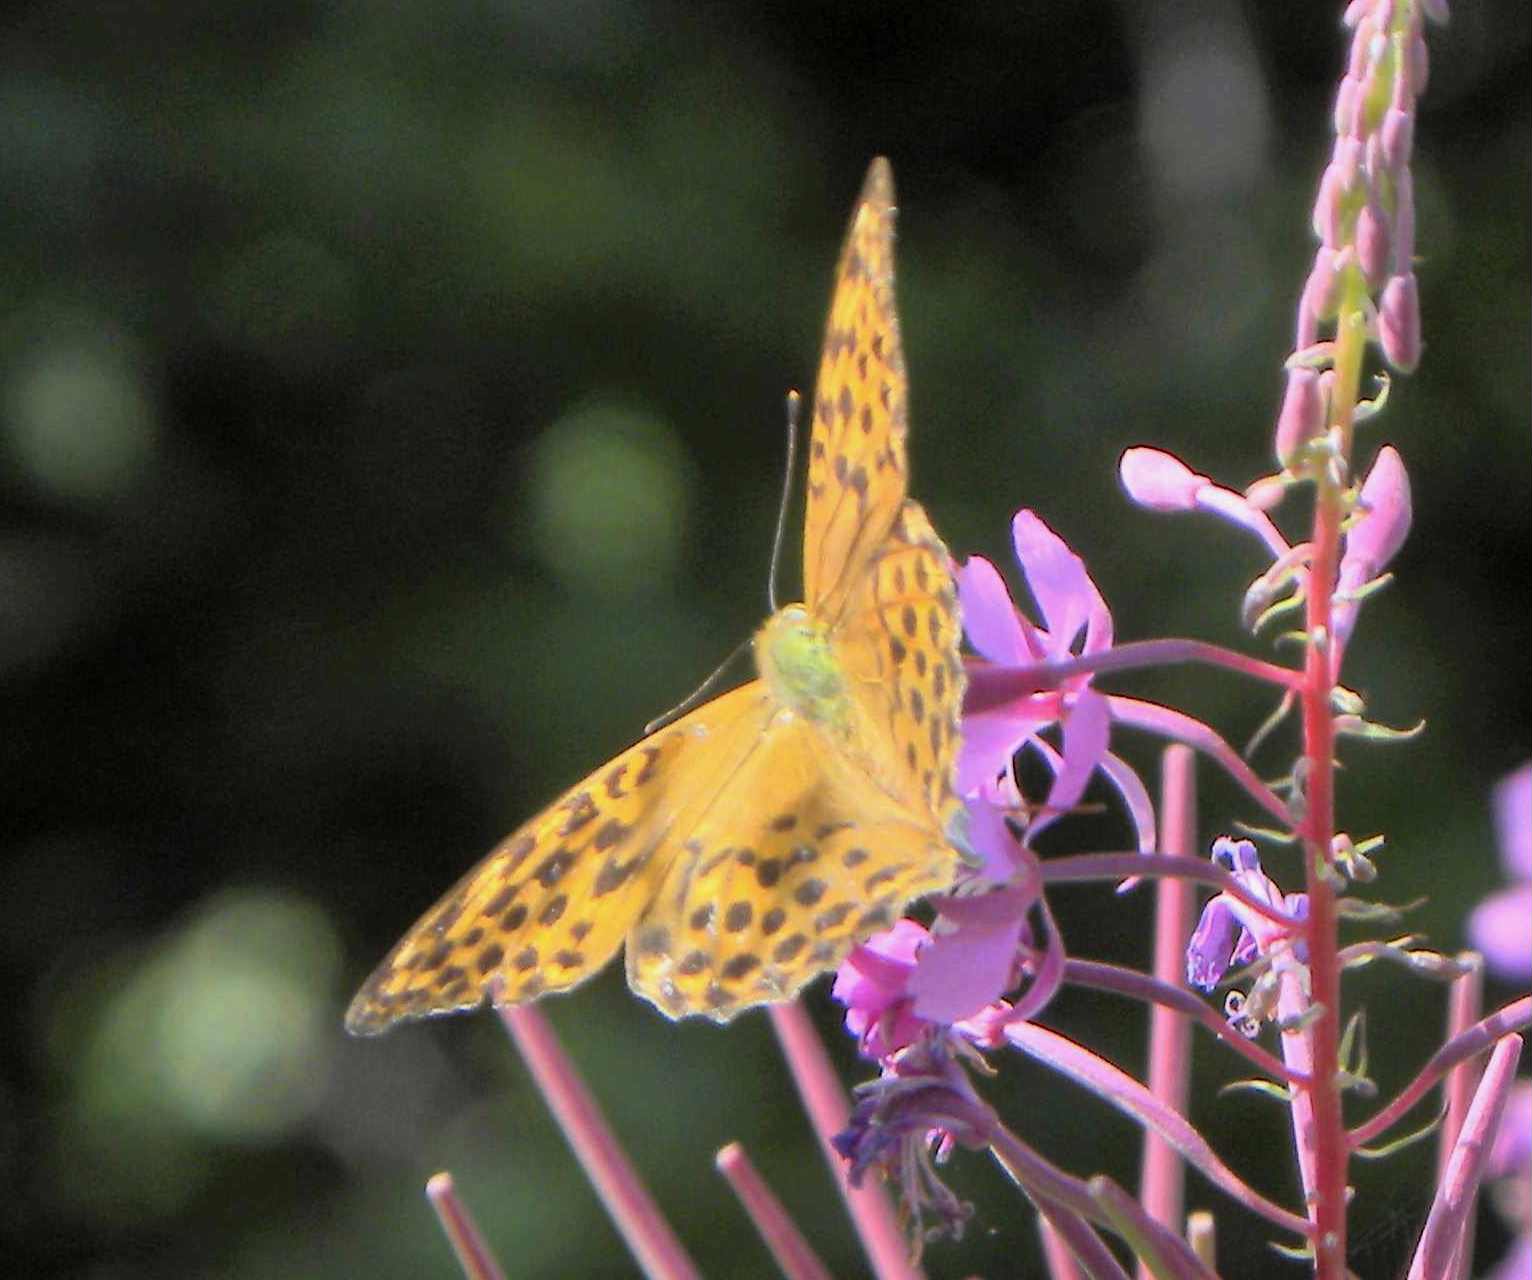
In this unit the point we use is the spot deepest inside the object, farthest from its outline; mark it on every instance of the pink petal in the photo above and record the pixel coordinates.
(990, 739)
(1056, 578)
(1136, 797)
(991, 839)
(989, 616)
(970, 967)
(1513, 823)
(1087, 730)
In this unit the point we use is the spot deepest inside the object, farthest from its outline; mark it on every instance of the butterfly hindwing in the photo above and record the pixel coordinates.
(898, 644)
(794, 863)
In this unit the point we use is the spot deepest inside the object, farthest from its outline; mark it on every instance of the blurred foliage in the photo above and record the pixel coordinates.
(390, 423)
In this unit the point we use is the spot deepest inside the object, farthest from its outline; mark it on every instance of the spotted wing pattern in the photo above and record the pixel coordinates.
(898, 645)
(857, 467)
(797, 860)
(550, 905)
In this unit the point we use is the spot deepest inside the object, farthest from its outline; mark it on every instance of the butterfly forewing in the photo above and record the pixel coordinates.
(857, 469)
(550, 905)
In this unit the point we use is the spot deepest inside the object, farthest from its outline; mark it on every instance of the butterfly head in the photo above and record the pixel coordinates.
(799, 666)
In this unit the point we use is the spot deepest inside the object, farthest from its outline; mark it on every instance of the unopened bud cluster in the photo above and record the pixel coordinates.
(1364, 214)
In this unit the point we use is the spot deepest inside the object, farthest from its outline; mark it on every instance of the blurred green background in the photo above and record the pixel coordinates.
(391, 423)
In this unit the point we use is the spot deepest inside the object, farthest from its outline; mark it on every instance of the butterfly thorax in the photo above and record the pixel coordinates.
(796, 661)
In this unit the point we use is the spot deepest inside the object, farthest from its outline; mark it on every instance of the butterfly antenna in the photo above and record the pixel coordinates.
(794, 406)
(697, 694)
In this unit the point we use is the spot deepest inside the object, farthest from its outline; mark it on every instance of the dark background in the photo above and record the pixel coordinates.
(390, 424)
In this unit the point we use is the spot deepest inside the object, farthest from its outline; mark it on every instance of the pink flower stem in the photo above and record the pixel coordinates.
(1140, 986)
(632, 1209)
(990, 687)
(1318, 1124)
(1162, 1181)
(1464, 1005)
(1514, 1017)
(825, 1102)
(1056, 1254)
(792, 1252)
(1073, 868)
(462, 1232)
(1443, 1237)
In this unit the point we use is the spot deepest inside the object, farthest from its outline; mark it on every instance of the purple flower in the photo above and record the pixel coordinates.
(1230, 933)
(1499, 925)
(906, 1123)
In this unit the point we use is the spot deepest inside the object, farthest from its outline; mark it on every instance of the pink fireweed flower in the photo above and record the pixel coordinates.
(909, 981)
(1499, 925)
(1073, 613)
(1231, 933)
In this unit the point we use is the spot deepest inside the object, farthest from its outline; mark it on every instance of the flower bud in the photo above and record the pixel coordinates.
(1327, 208)
(1321, 293)
(1346, 107)
(1349, 154)
(1397, 137)
(1380, 531)
(1303, 413)
(1159, 481)
(1372, 245)
(1399, 322)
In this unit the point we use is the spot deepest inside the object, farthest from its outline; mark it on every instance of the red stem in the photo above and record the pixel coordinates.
(1318, 1122)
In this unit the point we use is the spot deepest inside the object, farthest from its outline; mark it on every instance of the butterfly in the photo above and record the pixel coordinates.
(744, 848)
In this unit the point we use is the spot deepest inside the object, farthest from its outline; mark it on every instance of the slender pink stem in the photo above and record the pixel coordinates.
(1140, 986)
(1162, 1180)
(1464, 1005)
(632, 1209)
(1514, 1017)
(1056, 1254)
(780, 1233)
(1119, 1090)
(1121, 866)
(825, 1102)
(1450, 1212)
(461, 1230)
(993, 686)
